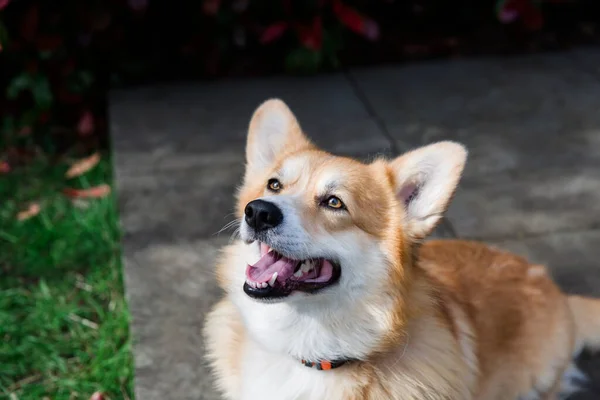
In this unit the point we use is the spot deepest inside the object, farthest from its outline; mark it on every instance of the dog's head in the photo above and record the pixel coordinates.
(319, 226)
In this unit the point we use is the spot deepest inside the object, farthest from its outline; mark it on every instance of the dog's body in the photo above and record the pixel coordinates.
(449, 320)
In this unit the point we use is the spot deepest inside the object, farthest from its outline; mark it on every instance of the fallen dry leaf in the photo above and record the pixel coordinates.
(82, 166)
(93, 192)
(97, 396)
(4, 167)
(31, 211)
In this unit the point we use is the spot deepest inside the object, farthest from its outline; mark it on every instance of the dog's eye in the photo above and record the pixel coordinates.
(274, 185)
(334, 202)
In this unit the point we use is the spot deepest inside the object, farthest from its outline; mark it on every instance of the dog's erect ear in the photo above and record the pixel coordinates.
(425, 180)
(273, 130)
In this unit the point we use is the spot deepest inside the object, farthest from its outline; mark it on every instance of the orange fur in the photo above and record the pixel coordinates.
(454, 319)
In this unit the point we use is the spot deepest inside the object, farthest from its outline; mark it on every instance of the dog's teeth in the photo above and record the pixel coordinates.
(298, 273)
(264, 285)
(273, 279)
(307, 266)
(270, 250)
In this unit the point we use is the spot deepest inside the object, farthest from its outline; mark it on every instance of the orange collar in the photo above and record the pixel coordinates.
(324, 365)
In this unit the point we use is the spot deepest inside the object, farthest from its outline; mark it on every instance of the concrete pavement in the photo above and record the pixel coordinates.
(532, 185)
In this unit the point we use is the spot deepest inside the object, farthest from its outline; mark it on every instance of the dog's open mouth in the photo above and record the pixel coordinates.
(274, 275)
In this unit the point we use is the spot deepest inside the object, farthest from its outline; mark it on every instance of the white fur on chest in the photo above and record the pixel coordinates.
(269, 376)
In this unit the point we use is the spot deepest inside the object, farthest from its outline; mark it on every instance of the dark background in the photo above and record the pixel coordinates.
(59, 58)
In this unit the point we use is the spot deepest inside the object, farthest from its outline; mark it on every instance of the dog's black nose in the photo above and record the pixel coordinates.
(262, 215)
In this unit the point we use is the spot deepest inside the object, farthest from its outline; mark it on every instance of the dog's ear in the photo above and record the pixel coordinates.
(425, 180)
(273, 131)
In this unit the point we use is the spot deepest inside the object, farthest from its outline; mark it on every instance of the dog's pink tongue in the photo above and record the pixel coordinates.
(268, 264)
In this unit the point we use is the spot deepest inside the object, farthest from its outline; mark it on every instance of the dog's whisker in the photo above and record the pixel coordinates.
(229, 225)
(234, 235)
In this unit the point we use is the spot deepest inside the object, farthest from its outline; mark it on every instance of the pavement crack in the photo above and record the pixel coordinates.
(362, 97)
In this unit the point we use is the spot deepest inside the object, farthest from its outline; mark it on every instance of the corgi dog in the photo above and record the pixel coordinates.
(332, 293)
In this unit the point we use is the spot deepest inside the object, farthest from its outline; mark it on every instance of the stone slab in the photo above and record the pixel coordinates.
(531, 126)
(514, 115)
(178, 204)
(170, 288)
(212, 118)
(541, 201)
(460, 92)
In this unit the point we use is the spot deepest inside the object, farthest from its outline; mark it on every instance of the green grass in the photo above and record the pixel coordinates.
(64, 323)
